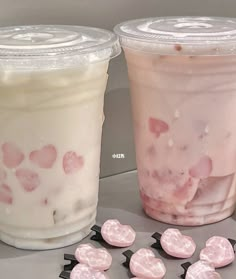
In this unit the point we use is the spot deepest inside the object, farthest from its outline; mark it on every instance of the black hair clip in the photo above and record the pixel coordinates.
(157, 244)
(185, 266)
(233, 243)
(128, 254)
(72, 264)
(65, 274)
(97, 236)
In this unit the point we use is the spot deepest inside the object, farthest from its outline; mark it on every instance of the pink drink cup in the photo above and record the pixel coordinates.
(185, 133)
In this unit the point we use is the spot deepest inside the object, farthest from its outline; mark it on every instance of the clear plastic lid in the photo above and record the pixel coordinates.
(55, 46)
(180, 35)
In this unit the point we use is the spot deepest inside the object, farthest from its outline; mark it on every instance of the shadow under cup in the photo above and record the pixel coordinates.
(51, 117)
(183, 104)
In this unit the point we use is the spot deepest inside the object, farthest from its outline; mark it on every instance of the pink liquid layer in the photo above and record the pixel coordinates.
(185, 135)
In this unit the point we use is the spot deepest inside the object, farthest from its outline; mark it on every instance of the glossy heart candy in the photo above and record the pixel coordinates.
(218, 251)
(28, 179)
(83, 271)
(45, 157)
(116, 234)
(5, 194)
(72, 162)
(176, 244)
(144, 264)
(202, 169)
(12, 155)
(157, 126)
(202, 270)
(97, 258)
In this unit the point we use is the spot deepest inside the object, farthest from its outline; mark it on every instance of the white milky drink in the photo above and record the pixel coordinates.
(183, 89)
(52, 84)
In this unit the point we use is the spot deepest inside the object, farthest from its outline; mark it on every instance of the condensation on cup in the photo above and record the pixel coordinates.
(183, 89)
(52, 84)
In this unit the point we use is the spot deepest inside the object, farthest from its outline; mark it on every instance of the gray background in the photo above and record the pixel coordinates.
(117, 135)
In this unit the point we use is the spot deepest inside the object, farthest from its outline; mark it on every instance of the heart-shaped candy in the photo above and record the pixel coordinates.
(12, 155)
(28, 179)
(5, 194)
(97, 258)
(116, 234)
(45, 157)
(202, 169)
(72, 163)
(144, 264)
(218, 251)
(175, 244)
(157, 126)
(202, 270)
(83, 271)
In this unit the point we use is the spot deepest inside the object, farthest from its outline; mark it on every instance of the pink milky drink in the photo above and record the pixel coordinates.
(52, 84)
(183, 89)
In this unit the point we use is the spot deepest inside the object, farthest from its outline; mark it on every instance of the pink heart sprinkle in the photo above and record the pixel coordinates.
(72, 163)
(116, 234)
(12, 155)
(175, 244)
(144, 264)
(45, 157)
(5, 194)
(28, 179)
(82, 271)
(157, 126)
(218, 251)
(97, 258)
(202, 169)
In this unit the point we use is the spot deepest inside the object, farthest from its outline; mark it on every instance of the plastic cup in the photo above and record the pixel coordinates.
(183, 89)
(52, 84)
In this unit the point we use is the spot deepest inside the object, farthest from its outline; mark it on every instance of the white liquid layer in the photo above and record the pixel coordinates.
(65, 109)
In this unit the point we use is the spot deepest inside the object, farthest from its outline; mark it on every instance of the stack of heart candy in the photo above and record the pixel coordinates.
(91, 262)
(218, 253)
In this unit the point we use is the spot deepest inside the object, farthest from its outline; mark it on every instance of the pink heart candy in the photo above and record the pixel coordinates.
(72, 163)
(97, 258)
(218, 251)
(176, 244)
(45, 157)
(12, 155)
(202, 270)
(82, 271)
(144, 264)
(116, 234)
(157, 126)
(28, 179)
(202, 169)
(5, 194)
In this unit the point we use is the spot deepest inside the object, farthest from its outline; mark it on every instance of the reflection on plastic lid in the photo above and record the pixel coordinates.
(196, 35)
(37, 44)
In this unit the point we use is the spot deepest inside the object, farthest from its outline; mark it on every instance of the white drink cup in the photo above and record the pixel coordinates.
(52, 85)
